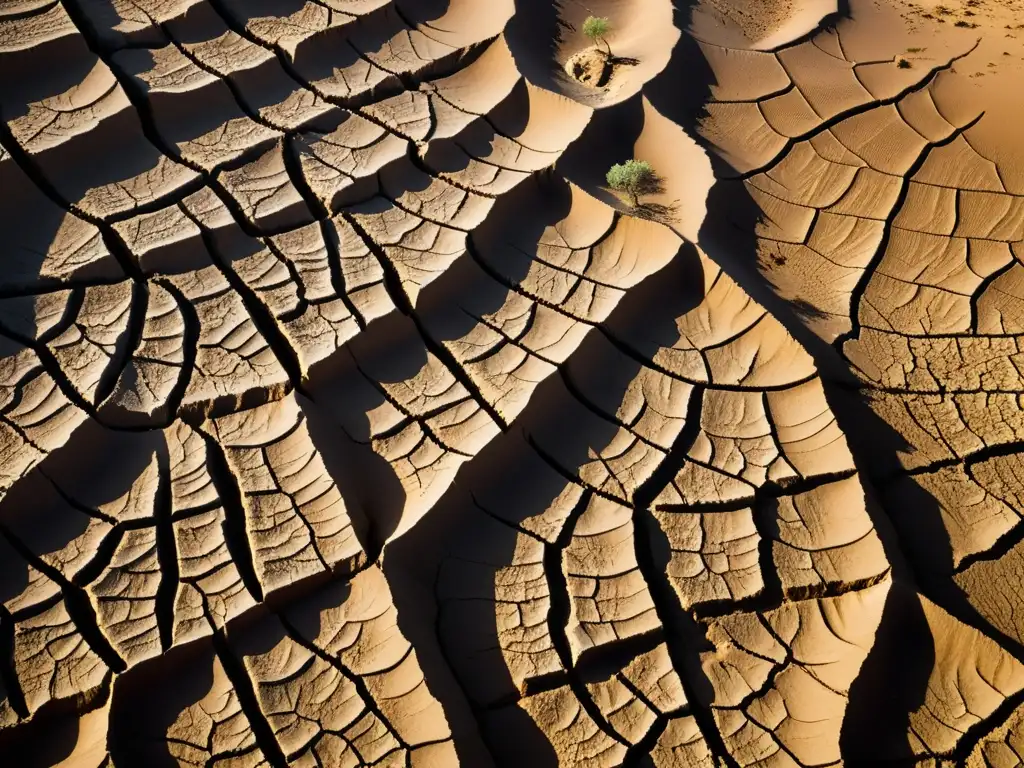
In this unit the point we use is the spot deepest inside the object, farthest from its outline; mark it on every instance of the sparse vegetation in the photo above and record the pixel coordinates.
(633, 177)
(903, 63)
(596, 28)
(915, 50)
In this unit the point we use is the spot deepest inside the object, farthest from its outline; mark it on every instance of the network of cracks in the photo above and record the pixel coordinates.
(346, 419)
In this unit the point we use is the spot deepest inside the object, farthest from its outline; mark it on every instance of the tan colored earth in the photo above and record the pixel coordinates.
(592, 67)
(347, 419)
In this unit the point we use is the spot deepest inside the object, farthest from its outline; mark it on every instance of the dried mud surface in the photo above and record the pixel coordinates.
(347, 420)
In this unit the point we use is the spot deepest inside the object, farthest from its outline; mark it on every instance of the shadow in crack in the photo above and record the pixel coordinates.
(140, 722)
(890, 685)
(207, 703)
(340, 398)
(53, 735)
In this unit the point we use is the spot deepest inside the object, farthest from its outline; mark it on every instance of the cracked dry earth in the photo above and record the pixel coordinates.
(346, 419)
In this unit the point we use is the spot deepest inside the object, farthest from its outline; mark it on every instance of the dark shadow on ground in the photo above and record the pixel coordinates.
(894, 678)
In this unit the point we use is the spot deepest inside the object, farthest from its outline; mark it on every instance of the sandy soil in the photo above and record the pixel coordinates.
(347, 418)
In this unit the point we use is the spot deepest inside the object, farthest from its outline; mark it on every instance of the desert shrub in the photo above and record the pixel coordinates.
(596, 27)
(634, 177)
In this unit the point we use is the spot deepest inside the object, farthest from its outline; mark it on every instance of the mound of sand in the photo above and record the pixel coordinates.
(347, 418)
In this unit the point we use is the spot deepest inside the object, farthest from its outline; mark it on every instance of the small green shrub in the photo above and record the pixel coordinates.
(596, 27)
(634, 177)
